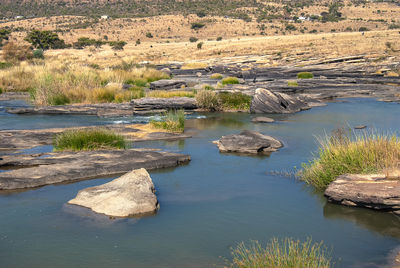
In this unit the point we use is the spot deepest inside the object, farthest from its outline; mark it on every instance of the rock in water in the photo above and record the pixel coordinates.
(370, 191)
(249, 142)
(265, 101)
(130, 194)
(262, 119)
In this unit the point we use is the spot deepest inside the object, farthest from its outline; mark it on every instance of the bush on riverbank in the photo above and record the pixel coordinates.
(207, 99)
(349, 153)
(305, 75)
(76, 83)
(287, 253)
(88, 140)
(234, 101)
(173, 121)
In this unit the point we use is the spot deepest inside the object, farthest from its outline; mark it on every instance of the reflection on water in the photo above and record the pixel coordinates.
(383, 223)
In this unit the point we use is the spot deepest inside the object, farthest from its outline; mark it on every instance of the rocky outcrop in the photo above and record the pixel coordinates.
(166, 84)
(369, 191)
(129, 195)
(265, 101)
(262, 119)
(28, 171)
(152, 104)
(248, 142)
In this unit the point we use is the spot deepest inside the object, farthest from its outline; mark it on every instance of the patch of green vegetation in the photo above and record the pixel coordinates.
(349, 153)
(193, 39)
(197, 25)
(287, 253)
(234, 101)
(5, 65)
(305, 75)
(45, 40)
(200, 45)
(59, 99)
(207, 99)
(208, 87)
(173, 121)
(140, 82)
(230, 80)
(216, 76)
(363, 29)
(88, 140)
(1, 90)
(293, 84)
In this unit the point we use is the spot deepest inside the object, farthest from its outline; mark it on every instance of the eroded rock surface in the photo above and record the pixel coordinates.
(36, 170)
(166, 84)
(266, 101)
(163, 104)
(248, 142)
(370, 191)
(128, 195)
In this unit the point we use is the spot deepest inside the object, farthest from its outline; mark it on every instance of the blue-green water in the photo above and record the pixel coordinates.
(207, 206)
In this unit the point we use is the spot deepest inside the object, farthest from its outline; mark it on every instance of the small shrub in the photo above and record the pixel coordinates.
(1, 90)
(287, 253)
(138, 42)
(117, 45)
(88, 139)
(58, 99)
(230, 80)
(363, 29)
(293, 84)
(193, 39)
(349, 153)
(208, 87)
(234, 101)
(208, 100)
(149, 35)
(14, 53)
(201, 14)
(104, 94)
(219, 38)
(197, 25)
(200, 45)
(173, 121)
(394, 26)
(305, 75)
(290, 27)
(216, 76)
(348, 29)
(38, 54)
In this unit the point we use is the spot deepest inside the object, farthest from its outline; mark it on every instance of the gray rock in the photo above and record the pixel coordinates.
(144, 104)
(374, 191)
(128, 195)
(166, 84)
(28, 171)
(248, 142)
(265, 101)
(262, 119)
(167, 71)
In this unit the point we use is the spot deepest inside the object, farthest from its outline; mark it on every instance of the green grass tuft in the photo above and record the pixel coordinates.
(216, 76)
(293, 84)
(230, 80)
(88, 139)
(234, 101)
(173, 121)
(305, 75)
(348, 153)
(287, 253)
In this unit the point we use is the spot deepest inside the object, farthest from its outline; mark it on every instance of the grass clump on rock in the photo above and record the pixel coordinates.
(216, 76)
(173, 121)
(170, 93)
(293, 84)
(88, 139)
(230, 80)
(305, 75)
(287, 253)
(234, 101)
(349, 153)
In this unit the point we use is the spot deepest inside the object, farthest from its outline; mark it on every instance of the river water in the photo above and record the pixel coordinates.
(206, 207)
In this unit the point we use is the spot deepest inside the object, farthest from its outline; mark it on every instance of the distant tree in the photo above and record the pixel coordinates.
(4, 35)
(197, 25)
(45, 40)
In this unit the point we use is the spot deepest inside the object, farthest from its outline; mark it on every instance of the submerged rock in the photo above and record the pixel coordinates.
(262, 119)
(266, 101)
(128, 195)
(249, 142)
(165, 84)
(374, 191)
(28, 171)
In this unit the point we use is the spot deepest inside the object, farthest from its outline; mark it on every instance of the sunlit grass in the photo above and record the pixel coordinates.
(348, 153)
(173, 121)
(170, 93)
(287, 253)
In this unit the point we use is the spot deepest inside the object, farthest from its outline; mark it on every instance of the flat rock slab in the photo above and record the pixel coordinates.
(51, 168)
(149, 104)
(166, 84)
(248, 142)
(13, 140)
(266, 101)
(129, 195)
(262, 119)
(369, 191)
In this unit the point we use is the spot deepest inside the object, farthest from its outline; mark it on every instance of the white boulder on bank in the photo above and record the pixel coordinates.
(128, 195)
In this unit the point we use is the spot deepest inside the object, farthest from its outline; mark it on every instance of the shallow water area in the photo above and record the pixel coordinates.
(207, 206)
